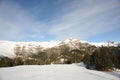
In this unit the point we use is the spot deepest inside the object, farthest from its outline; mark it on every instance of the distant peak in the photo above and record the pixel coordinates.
(71, 39)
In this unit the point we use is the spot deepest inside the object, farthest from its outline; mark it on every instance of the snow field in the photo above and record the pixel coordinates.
(55, 72)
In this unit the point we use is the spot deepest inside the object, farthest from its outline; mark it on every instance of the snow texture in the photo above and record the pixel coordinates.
(55, 72)
(7, 47)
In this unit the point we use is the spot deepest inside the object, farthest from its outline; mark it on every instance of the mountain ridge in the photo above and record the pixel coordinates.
(7, 47)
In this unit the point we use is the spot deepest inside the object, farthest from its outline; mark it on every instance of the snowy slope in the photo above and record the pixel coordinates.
(42, 44)
(7, 47)
(55, 72)
(98, 44)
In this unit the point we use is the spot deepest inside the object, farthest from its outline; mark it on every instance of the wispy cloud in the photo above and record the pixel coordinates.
(59, 20)
(17, 23)
(86, 18)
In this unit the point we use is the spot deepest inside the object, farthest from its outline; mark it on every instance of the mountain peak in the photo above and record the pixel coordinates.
(71, 39)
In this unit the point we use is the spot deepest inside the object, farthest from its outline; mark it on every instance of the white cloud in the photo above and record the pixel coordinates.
(17, 23)
(86, 20)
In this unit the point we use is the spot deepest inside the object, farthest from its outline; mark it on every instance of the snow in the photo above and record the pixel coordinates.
(99, 44)
(55, 72)
(74, 40)
(7, 47)
(42, 44)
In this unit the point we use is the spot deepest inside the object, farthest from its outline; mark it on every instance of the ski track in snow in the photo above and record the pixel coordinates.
(55, 72)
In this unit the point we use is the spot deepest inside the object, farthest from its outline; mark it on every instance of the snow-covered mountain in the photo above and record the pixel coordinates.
(98, 44)
(7, 47)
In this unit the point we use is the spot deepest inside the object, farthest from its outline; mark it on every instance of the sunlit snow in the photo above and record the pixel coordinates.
(55, 72)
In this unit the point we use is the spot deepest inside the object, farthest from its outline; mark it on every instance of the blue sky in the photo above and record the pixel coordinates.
(46, 20)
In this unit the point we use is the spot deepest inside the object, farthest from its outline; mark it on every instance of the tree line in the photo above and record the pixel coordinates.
(103, 58)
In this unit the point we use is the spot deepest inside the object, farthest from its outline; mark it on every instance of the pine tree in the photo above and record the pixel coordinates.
(102, 59)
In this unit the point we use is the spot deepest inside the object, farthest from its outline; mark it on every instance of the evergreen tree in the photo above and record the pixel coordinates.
(102, 59)
(6, 62)
(87, 60)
